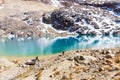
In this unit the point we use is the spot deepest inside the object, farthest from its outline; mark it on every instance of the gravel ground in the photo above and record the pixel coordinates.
(102, 64)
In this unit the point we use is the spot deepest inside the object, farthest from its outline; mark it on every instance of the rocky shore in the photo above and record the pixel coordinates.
(102, 64)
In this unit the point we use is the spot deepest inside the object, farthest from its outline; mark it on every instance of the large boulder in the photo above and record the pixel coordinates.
(59, 20)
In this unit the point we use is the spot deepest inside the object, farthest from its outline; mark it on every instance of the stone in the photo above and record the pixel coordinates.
(92, 32)
(46, 1)
(46, 18)
(69, 59)
(117, 10)
(116, 32)
(25, 17)
(66, 3)
(101, 69)
(32, 61)
(113, 69)
(117, 59)
(30, 21)
(79, 58)
(108, 61)
(109, 56)
(64, 78)
(96, 26)
(77, 51)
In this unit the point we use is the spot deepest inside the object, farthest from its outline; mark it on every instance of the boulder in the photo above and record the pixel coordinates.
(96, 26)
(116, 32)
(79, 58)
(46, 18)
(92, 32)
(46, 1)
(60, 21)
(32, 61)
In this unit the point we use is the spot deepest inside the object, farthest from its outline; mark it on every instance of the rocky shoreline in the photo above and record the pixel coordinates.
(77, 65)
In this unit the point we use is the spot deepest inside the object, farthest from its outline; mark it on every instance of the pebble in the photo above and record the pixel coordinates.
(78, 58)
(64, 78)
(30, 21)
(101, 69)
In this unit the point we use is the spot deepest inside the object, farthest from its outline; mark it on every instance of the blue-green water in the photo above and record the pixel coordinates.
(44, 46)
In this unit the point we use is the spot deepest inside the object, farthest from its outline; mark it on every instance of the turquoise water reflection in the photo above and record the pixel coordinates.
(44, 46)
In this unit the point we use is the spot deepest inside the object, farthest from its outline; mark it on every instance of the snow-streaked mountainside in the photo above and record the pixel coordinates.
(85, 17)
(73, 2)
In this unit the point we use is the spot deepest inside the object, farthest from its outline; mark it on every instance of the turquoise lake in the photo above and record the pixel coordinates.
(47, 45)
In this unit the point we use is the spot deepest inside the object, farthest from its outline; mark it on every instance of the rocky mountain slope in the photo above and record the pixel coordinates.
(18, 20)
(86, 18)
(74, 2)
(69, 17)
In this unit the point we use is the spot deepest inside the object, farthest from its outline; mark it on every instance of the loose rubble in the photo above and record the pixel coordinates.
(77, 65)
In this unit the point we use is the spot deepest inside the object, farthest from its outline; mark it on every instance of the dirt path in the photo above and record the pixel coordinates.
(11, 7)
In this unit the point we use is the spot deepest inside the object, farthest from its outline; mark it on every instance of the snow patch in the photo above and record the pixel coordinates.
(55, 3)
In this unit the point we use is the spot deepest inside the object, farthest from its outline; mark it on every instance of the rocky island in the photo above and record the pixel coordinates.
(34, 19)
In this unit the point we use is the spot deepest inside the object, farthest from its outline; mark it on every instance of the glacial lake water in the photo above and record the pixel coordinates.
(47, 45)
